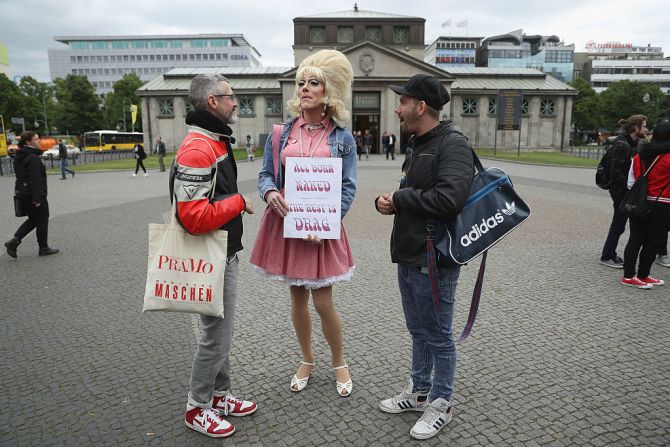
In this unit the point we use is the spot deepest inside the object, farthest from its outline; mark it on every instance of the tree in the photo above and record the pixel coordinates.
(625, 98)
(38, 102)
(586, 113)
(78, 107)
(12, 104)
(117, 103)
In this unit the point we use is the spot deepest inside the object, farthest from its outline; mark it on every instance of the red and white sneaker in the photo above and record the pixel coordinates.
(652, 281)
(230, 405)
(207, 421)
(635, 282)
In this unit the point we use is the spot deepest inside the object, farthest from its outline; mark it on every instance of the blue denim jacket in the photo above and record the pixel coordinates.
(342, 145)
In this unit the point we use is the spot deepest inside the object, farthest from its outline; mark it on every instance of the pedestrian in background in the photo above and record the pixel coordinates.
(62, 157)
(31, 189)
(622, 151)
(160, 150)
(250, 148)
(392, 145)
(140, 155)
(311, 265)
(428, 303)
(367, 143)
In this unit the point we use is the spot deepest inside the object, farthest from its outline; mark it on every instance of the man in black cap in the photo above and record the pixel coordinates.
(430, 189)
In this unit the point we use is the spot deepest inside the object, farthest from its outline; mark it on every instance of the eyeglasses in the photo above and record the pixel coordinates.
(232, 97)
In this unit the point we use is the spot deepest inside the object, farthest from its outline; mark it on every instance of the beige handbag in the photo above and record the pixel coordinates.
(185, 272)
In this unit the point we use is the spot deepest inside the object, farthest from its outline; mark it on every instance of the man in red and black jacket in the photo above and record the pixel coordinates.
(203, 181)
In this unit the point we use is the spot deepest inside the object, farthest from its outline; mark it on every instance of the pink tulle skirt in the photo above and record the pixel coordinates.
(296, 262)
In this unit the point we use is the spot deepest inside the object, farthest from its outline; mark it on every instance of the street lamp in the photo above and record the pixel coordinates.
(123, 109)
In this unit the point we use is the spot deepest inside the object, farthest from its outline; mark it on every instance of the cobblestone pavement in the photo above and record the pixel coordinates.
(561, 354)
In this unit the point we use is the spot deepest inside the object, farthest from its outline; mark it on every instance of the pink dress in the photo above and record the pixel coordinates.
(294, 261)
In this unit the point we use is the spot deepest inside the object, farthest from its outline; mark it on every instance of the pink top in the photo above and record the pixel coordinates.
(314, 142)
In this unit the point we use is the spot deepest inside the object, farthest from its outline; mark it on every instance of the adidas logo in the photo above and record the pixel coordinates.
(511, 209)
(478, 230)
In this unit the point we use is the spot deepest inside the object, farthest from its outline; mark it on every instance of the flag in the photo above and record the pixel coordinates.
(447, 23)
(462, 24)
(133, 113)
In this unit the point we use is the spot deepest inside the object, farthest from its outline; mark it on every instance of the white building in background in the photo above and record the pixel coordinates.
(105, 59)
(605, 72)
(615, 61)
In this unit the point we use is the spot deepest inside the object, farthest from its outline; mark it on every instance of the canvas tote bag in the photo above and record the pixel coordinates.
(185, 272)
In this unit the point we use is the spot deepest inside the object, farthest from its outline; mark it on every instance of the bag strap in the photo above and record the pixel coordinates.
(430, 252)
(277, 130)
(476, 292)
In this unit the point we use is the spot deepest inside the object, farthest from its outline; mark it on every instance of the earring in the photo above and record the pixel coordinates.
(325, 109)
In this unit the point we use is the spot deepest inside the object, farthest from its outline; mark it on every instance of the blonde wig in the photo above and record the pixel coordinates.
(332, 69)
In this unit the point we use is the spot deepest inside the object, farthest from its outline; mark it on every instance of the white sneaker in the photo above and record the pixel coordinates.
(229, 405)
(435, 417)
(405, 401)
(208, 422)
(134, 175)
(146, 174)
(663, 260)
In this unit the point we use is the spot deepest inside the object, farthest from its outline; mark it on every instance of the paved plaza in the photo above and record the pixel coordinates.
(561, 354)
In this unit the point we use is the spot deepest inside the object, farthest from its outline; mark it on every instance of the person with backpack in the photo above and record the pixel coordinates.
(648, 233)
(616, 163)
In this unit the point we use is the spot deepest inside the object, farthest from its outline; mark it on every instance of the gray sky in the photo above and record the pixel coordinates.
(28, 26)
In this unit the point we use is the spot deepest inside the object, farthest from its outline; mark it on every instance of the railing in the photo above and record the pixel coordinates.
(7, 165)
(585, 151)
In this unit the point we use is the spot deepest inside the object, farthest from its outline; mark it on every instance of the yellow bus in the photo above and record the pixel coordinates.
(111, 140)
(3, 139)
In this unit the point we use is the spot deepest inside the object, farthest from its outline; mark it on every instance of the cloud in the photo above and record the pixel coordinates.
(268, 24)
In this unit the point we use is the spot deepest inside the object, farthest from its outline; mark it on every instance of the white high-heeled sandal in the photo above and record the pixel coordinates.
(343, 387)
(299, 383)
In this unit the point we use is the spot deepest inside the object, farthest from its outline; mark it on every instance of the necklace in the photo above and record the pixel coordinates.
(310, 150)
(313, 127)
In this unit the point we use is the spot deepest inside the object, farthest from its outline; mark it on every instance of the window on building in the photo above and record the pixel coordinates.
(400, 34)
(106, 58)
(273, 105)
(547, 106)
(132, 58)
(73, 59)
(345, 34)
(373, 33)
(247, 106)
(317, 34)
(125, 58)
(469, 105)
(166, 107)
(492, 106)
(524, 106)
(188, 106)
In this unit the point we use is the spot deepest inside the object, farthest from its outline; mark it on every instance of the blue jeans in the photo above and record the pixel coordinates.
(63, 167)
(433, 348)
(617, 227)
(210, 374)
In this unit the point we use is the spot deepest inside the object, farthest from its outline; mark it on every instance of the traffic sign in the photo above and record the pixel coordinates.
(17, 120)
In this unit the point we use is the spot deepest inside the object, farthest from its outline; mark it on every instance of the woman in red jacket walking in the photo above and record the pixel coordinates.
(647, 234)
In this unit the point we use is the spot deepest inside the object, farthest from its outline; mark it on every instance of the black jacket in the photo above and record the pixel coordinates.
(31, 174)
(622, 152)
(423, 197)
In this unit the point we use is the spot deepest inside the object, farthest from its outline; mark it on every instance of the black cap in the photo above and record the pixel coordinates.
(424, 88)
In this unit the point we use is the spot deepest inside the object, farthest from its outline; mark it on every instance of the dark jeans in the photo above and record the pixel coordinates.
(138, 165)
(646, 235)
(38, 217)
(617, 227)
(63, 167)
